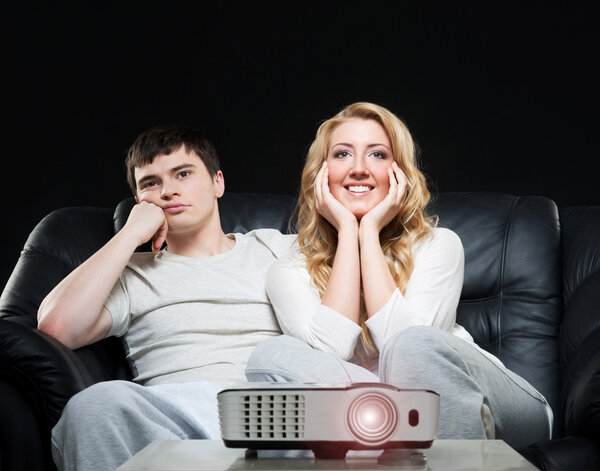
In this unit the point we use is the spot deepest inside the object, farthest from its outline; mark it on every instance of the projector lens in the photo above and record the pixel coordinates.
(372, 418)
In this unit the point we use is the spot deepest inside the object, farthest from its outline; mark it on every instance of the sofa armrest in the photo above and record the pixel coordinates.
(24, 436)
(41, 368)
(563, 454)
(582, 406)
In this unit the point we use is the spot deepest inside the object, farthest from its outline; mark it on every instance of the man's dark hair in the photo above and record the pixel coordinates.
(164, 140)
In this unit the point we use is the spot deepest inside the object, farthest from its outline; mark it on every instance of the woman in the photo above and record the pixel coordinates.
(371, 292)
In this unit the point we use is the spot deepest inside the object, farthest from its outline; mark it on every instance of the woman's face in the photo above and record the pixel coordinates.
(358, 157)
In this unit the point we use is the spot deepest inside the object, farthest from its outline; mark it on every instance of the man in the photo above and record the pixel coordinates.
(189, 314)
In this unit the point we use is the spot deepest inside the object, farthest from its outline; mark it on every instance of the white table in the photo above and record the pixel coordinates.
(444, 455)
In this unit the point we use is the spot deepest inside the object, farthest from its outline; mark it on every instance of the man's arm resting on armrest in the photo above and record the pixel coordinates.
(74, 311)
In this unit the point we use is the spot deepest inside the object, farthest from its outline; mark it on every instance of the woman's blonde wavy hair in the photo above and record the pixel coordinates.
(318, 238)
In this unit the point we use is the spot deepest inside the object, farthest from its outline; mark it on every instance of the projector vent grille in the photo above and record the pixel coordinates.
(276, 416)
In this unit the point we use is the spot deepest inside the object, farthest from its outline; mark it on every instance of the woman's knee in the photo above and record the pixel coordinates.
(287, 359)
(416, 341)
(417, 352)
(275, 351)
(271, 360)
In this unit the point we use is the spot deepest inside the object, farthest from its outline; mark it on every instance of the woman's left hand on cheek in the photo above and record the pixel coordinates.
(390, 206)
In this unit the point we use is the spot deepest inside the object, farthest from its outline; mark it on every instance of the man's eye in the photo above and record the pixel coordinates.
(149, 185)
(184, 173)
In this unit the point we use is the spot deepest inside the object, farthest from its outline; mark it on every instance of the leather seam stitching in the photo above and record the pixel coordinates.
(502, 269)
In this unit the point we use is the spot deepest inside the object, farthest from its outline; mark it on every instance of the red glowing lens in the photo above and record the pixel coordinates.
(372, 418)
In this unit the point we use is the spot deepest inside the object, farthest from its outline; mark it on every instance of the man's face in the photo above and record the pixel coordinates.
(180, 184)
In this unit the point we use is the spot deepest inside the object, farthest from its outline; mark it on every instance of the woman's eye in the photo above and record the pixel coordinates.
(342, 154)
(379, 155)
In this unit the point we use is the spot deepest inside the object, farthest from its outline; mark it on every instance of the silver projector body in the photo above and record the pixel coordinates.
(329, 419)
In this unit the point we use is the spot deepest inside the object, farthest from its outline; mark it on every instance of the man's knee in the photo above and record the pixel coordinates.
(95, 404)
(89, 424)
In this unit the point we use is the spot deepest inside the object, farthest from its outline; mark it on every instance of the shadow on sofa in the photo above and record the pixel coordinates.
(531, 296)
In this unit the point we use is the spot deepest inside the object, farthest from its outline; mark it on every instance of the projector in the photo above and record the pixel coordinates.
(327, 419)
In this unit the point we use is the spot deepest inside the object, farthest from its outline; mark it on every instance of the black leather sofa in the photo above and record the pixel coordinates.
(531, 296)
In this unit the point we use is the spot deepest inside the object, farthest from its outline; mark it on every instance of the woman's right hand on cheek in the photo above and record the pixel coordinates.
(148, 221)
(326, 204)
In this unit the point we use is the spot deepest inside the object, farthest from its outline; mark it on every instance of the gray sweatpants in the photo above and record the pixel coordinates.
(104, 425)
(478, 398)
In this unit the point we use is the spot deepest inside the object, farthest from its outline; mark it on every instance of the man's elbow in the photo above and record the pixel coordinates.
(55, 327)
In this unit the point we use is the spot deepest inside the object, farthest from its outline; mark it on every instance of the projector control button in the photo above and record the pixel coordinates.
(413, 417)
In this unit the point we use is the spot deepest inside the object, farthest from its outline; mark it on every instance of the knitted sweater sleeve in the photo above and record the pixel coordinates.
(431, 298)
(298, 308)
(432, 292)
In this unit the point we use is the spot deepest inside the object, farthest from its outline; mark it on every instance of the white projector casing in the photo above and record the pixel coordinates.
(329, 419)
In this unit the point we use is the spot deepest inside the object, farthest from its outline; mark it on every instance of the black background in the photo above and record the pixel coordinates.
(499, 96)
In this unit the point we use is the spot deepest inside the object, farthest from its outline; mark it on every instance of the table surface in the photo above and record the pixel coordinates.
(444, 455)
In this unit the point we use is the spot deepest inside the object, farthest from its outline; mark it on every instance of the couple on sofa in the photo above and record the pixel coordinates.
(366, 291)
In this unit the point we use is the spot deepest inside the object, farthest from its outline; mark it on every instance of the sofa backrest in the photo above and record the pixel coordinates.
(66, 237)
(581, 279)
(580, 329)
(511, 301)
(59, 243)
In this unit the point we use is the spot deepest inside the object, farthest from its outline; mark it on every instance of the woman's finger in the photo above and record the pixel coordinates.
(318, 184)
(393, 191)
(402, 182)
(325, 182)
(393, 177)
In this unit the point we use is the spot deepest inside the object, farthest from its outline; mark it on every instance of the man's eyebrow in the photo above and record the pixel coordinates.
(145, 179)
(176, 169)
(181, 167)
